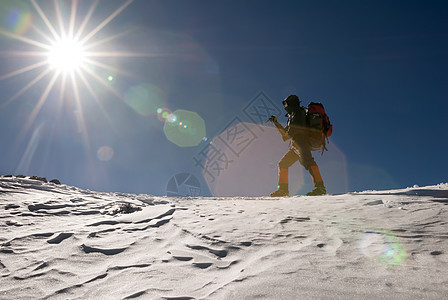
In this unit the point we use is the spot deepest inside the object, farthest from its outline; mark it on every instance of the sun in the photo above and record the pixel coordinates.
(66, 55)
(66, 52)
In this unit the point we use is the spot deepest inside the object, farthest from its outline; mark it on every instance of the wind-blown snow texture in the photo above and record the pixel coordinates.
(61, 242)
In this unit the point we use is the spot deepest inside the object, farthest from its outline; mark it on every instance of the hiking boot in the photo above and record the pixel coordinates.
(318, 190)
(281, 192)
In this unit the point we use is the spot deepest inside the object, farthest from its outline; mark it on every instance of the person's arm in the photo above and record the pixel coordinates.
(280, 128)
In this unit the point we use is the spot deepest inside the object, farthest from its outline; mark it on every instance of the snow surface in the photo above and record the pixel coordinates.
(61, 242)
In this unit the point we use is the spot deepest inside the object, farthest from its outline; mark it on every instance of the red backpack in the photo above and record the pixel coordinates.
(317, 118)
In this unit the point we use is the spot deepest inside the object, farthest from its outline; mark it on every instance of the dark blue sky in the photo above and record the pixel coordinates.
(379, 67)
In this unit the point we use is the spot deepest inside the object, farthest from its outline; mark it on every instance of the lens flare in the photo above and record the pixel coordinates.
(245, 151)
(144, 99)
(184, 128)
(105, 153)
(18, 20)
(171, 118)
(383, 247)
(163, 114)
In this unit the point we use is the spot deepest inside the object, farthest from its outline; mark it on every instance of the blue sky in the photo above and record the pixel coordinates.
(379, 67)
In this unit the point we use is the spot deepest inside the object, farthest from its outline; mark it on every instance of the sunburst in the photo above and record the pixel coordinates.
(66, 55)
(63, 54)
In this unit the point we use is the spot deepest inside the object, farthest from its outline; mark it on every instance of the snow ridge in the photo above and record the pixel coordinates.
(62, 242)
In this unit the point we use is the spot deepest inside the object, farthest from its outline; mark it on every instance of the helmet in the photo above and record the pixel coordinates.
(291, 102)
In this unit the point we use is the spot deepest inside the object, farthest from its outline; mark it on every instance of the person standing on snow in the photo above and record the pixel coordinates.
(300, 147)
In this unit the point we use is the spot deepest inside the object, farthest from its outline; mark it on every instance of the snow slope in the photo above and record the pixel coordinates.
(61, 242)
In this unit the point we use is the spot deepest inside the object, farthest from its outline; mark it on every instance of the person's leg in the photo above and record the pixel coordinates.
(315, 173)
(287, 161)
(307, 161)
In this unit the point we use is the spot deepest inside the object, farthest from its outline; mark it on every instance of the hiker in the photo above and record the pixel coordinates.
(301, 145)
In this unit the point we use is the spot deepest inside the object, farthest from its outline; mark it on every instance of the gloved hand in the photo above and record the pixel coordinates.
(273, 119)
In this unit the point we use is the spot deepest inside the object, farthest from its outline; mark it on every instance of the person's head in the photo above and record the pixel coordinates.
(291, 103)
